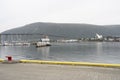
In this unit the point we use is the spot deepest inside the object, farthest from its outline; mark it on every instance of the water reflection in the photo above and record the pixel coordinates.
(44, 51)
(99, 48)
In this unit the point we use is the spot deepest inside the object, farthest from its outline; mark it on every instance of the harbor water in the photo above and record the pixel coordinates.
(100, 52)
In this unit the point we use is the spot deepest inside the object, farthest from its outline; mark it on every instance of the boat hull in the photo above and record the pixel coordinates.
(42, 44)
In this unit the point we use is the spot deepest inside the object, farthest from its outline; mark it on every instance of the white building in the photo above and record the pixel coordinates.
(98, 36)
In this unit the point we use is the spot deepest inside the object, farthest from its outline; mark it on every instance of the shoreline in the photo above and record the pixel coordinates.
(63, 63)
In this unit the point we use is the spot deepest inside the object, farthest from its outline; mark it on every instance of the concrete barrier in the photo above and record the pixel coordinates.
(71, 63)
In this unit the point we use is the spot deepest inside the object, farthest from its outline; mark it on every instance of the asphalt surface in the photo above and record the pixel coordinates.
(25, 71)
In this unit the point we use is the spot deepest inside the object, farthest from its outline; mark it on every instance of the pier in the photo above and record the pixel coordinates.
(21, 71)
(52, 70)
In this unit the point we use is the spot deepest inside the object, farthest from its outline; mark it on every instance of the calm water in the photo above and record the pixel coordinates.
(102, 52)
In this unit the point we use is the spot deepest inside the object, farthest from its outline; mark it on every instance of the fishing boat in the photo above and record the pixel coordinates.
(43, 42)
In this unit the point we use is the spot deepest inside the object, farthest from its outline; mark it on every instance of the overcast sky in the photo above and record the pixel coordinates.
(16, 13)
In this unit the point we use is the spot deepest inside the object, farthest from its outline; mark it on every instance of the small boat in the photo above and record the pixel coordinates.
(7, 44)
(43, 42)
(22, 44)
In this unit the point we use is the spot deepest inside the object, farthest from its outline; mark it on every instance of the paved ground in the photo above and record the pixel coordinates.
(20, 71)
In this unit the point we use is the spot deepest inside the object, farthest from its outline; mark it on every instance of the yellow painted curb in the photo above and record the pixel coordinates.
(71, 63)
(1, 60)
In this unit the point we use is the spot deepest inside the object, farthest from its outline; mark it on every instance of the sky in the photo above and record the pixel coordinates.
(16, 13)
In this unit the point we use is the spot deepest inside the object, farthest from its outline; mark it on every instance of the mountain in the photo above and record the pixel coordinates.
(69, 30)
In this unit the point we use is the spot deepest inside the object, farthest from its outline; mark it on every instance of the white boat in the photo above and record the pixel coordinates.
(7, 44)
(15, 43)
(43, 42)
(22, 44)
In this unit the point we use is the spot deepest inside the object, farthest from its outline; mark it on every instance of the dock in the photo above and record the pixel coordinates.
(32, 71)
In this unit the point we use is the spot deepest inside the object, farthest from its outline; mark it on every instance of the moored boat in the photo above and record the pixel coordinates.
(43, 42)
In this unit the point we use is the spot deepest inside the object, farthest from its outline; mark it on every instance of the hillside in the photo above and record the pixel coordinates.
(66, 29)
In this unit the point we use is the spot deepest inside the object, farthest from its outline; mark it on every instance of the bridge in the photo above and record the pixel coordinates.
(27, 37)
